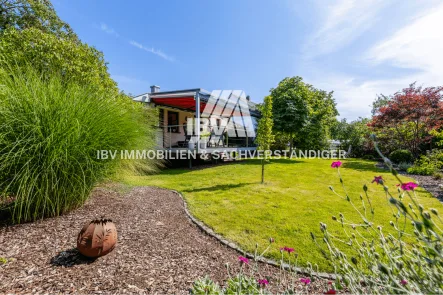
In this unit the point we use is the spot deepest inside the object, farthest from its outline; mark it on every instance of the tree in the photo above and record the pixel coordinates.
(409, 116)
(48, 53)
(303, 113)
(264, 132)
(39, 14)
(322, 114)
(290, 110)
(354, 136)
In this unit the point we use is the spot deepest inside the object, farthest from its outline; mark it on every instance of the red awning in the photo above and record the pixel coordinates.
(185, 103)
(188, 103)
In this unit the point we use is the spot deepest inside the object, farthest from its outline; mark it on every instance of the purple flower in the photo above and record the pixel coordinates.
(263, 282)
(243, 260)
(287, 249)
(305, 281)
(336, 164)
(403, 282)
(409, 186)
(378, 180)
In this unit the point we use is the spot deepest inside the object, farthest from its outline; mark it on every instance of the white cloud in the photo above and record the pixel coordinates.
(412, 53)
(152, 50)
(418, 46)
(354, 98)
(344, 20)
(105, 28)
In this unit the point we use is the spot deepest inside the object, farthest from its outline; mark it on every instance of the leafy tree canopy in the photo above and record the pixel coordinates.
(409, 116)
(31, 33)
(48, 53)
(39, 14)
(303, 112)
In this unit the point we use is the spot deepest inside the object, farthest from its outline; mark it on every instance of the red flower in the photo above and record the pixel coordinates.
(332, 291)
(336, 164)
(287, 249)
(378, 180)
(305, 281)
(243, 260)
(403, 282)
(409, 186)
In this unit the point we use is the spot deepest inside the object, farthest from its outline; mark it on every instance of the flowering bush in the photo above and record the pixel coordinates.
(386, 263)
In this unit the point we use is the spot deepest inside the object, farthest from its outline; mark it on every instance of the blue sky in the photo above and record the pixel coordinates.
(357, 48)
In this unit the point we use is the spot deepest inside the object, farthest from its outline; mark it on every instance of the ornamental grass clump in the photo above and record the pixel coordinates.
(408, 260)
(50, 132)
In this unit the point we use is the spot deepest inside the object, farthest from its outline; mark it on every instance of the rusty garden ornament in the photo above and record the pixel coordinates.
(97, 238)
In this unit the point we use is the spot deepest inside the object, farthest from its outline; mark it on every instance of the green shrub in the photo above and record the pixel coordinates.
(368, 157)
(426, 165)
(404, 166)
(438, 175)
(50, 132)
(421, 170)
(399, 156)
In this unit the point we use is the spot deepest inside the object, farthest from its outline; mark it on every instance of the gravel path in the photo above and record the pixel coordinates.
(159, 250)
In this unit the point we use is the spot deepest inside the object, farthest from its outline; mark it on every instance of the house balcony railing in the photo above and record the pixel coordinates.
(174, 136)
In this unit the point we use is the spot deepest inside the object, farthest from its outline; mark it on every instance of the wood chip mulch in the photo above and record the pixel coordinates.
(159, 250)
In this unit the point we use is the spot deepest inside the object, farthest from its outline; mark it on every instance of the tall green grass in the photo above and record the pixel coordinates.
(50, 131)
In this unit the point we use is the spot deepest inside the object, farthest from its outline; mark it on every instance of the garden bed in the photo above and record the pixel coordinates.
(159, 249)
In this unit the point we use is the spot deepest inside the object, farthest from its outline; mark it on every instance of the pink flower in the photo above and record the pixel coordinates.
(403, 282)
(378, 180)
(305, 281)
(243, 259)
(336, 164)
(263, 282)
(409, 186)
(287, 249)
(332, 291)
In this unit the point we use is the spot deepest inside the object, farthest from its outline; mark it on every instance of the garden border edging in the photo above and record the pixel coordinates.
(235, 247)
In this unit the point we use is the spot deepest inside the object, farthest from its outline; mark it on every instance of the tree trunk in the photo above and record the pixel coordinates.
(291, 144)
(262, 170)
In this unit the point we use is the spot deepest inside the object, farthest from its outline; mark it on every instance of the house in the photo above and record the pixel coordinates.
(202, 121)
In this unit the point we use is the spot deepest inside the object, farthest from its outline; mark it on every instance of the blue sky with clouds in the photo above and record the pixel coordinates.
(357, 48)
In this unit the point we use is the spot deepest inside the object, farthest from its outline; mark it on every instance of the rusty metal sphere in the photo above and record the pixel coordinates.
(97, 238)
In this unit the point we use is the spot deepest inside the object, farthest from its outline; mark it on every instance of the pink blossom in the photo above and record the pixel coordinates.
(243, 259)
(263, 282)
(336, 164)
(305, 281)
(378, 180)
(287, 249)
(403, 282)
(409, 186)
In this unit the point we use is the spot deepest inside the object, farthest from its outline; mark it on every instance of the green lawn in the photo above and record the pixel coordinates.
(290, 205)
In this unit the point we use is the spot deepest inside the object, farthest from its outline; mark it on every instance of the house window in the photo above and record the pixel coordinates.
(173, 122)
(161, 117)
